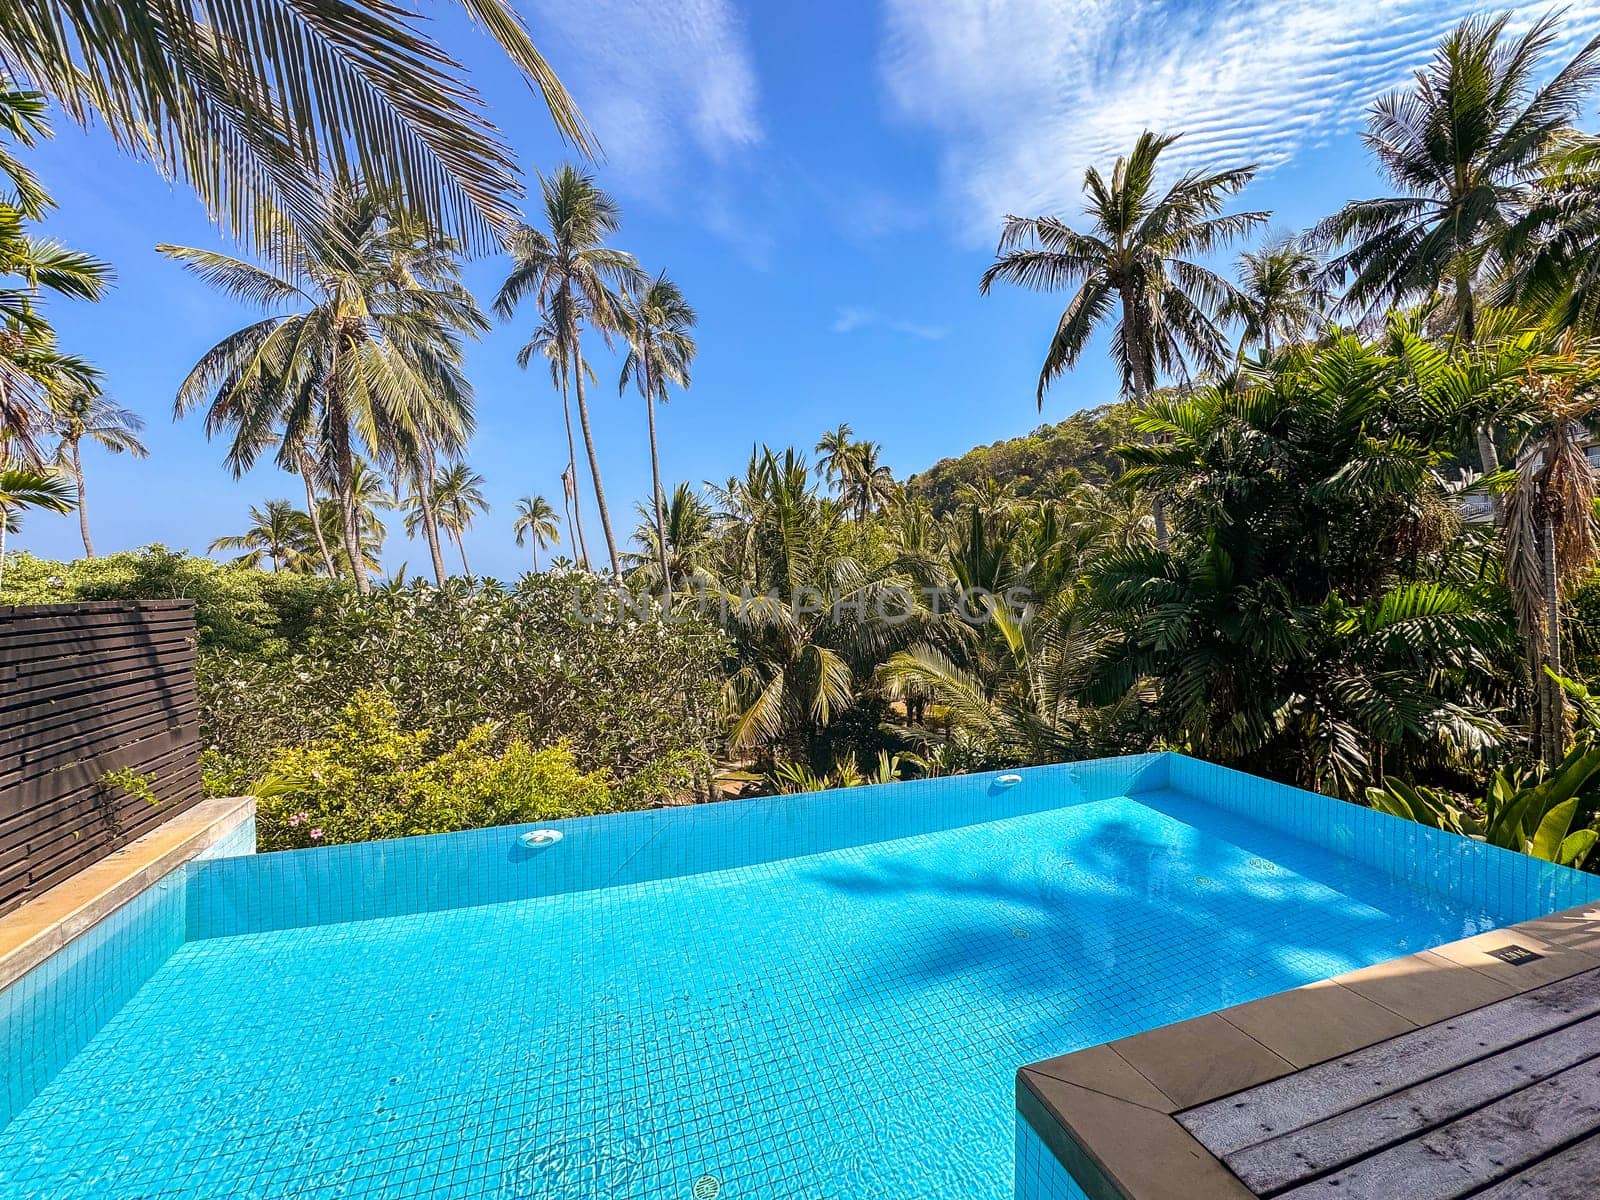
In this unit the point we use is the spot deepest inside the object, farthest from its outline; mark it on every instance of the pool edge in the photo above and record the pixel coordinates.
(1106, 1113)
(46, 924)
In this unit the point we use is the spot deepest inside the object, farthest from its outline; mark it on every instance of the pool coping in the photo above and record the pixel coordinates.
(44, 924)
(1108, 1112)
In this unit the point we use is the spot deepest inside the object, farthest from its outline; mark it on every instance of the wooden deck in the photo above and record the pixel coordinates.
(1468, 1071)
(1502, 1101)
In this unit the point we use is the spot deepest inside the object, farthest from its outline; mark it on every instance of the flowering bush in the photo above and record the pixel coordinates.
(369, 778)
(546, 663)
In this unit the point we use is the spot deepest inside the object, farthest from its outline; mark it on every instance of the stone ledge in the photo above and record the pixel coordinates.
(41, 926)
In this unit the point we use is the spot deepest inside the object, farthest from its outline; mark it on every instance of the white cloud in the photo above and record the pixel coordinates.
(656, 78)
(852, 318)
(1027, 93)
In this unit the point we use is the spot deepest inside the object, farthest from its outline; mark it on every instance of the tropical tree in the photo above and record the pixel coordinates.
(1462, 146)
(458, 497)
(657, 320)
(536, 523)
(1552, 254)
(256, 105)
(278, 532)
(865, 484)
(1279, 296)
(573, 277)
(685, 551)
(81, 414)
(33, 370)
(1311, 624)
(23, 487)
(833, 450)
(1551, 541)
(367, 356)
(1137, 258)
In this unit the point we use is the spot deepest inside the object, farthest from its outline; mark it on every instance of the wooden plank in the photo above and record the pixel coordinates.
(151, 677)
(1358, 1132)
(67, 844)
(1570, 1174)
(37, 780)
(86, 688)
(55, 746)
(29, 617)
(17, 646)
(1228, 1125)
(46, 672)
(83, 608)
(98, 811)
(1481, 1148)
(59, 759)
(99, 707)
(81, 809)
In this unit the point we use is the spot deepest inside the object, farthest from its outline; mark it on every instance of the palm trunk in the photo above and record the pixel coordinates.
(1466, 311)
(566, 500)
(344, 465)
(1143, 385)
(1555, 708)
(311, 511)
(83, 512)
(594, 459)
(461, 545)
(655, 480)
(430, 522)
(1489, 461)
(5, 519)
(570, 486)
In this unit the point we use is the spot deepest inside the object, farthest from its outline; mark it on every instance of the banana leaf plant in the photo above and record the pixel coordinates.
(1549, 815)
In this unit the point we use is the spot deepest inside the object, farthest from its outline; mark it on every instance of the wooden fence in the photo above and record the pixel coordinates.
(85, 690)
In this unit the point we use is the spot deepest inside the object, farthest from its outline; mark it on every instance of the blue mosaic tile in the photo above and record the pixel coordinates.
(1039, 1174)
(809, 996)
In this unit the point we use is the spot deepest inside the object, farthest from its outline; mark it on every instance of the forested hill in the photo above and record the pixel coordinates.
(1082, 443)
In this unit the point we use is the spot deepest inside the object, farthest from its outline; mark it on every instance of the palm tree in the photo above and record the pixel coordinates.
(688, 528)
(865, 484)
(256, 104)
(833, 450)
(33, 370)
(1137, 257)
(572, 277)
(23, 487)
(458, 496)
(1279, 295)
(1462, 146)
(656, 320)
(1553, 252)
(536, 522)
(278, 532)
(84, 413)
(367, 357)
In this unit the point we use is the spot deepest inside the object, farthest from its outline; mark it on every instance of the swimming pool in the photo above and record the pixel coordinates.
(807, 996)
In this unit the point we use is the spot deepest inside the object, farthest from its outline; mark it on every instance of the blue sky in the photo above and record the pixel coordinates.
(823, 179)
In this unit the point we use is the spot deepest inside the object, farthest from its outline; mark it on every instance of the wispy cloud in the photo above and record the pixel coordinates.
(658, 79)
(852, 318)
(1027, 93)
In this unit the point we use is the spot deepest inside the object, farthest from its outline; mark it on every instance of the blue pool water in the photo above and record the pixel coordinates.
(842, 1022)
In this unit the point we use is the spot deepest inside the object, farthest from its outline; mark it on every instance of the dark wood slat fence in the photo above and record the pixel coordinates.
(86, 689)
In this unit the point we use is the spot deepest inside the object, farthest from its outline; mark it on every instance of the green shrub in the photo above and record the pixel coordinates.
(238, 610)
(370, 778)
(546, 662)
